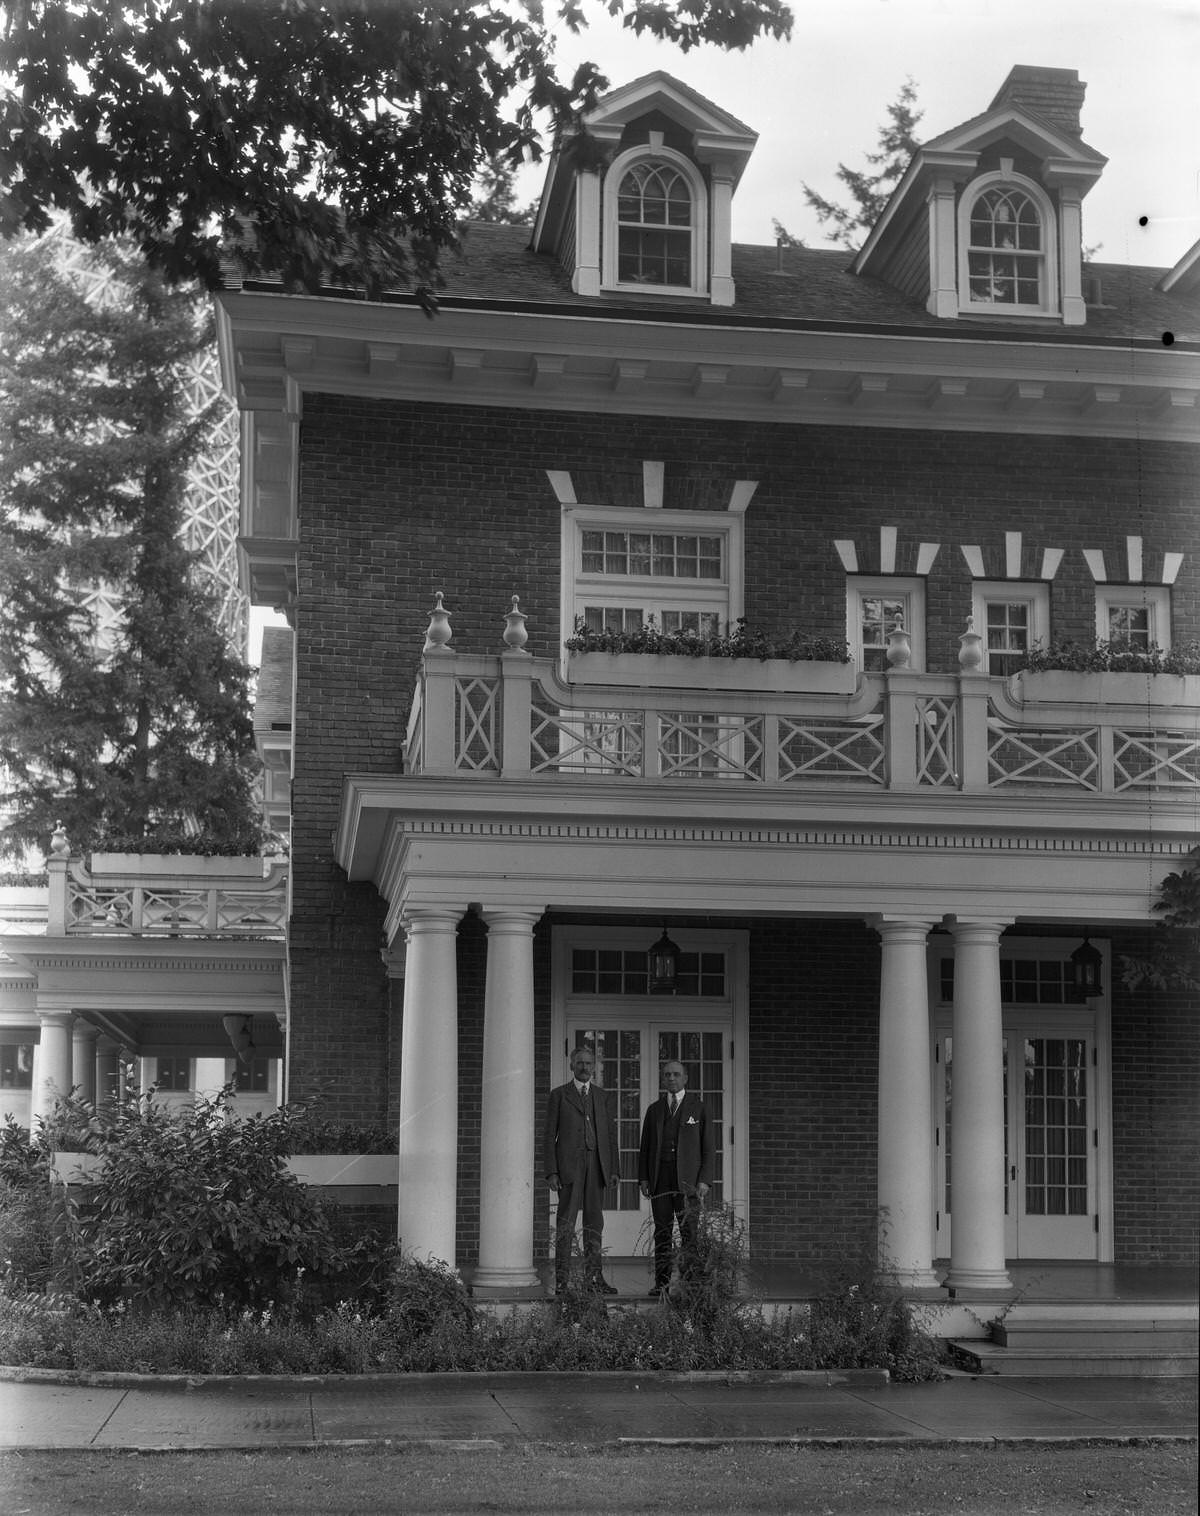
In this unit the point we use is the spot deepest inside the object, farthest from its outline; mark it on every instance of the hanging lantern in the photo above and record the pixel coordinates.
(663, 966)
(1087, 962)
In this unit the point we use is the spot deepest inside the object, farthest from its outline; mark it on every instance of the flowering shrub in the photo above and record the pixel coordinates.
(735, 642)
(1114, 658)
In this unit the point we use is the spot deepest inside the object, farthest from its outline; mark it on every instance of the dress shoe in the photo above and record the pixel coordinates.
(602, 1287)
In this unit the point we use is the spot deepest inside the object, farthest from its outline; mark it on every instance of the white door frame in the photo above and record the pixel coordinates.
(729, 1012)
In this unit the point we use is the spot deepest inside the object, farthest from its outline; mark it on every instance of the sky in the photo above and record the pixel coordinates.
(818, 100)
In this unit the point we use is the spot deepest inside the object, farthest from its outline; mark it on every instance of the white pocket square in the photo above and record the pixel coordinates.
(691, 1121)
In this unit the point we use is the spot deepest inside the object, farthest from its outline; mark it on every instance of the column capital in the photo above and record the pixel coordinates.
(978, 929)
(431, 918)
(901, 928)
(512, 917)
(56, 1018)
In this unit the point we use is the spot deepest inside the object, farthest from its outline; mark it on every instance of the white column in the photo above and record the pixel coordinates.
(977, 1233)
(428, 1168)
(506, 1167)
(905, 1103)
(83, 1060)
(52, 1069)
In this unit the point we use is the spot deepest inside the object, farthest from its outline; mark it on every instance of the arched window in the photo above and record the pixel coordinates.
(1008, 243)
(654, 226)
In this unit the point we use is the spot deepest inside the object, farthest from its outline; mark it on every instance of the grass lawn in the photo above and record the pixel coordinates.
(852, 1481)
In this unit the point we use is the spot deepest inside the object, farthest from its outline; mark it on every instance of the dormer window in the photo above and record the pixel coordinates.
(1006, 247)
(655, 222)
(654, 226)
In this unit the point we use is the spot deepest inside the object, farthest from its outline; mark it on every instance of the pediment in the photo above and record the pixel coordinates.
(661, 92)
(1032, 133)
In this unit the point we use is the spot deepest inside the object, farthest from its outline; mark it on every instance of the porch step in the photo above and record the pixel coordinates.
(1131, 1339)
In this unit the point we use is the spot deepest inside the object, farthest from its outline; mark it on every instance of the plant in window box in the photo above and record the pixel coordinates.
(330, 1153)
(737, 658)
(1114, 672)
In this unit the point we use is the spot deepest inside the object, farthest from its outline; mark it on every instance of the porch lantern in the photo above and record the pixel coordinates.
(663, 966)
(1087, 962)
(237, 1029)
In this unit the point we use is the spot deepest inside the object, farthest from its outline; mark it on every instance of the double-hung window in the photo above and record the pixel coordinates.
(1135, 614)
(1013, 618)
(875, 607)
(1007, 248)
(655, 208)
(625, 569)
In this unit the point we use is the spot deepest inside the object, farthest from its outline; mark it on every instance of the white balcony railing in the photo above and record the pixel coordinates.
(165, 896)
(513, 715)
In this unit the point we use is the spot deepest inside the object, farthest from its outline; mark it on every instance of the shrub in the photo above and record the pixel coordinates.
(736, 642)
(190, 1208)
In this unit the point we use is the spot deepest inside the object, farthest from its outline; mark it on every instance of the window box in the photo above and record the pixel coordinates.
(1094, 687)
(159, 865)
(677, 671)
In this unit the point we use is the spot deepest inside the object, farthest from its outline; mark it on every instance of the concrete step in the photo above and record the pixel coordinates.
(1095, 1335)
(1068, 1363)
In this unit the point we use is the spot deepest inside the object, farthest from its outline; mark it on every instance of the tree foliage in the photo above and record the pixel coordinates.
(122, 710)
(308, 140)
(870, 188)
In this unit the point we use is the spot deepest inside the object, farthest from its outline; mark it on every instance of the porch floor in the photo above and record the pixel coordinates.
(1033, 1281)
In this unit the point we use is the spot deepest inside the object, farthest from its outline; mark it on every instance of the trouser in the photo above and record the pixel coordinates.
(668, 1205)
(583, 1194)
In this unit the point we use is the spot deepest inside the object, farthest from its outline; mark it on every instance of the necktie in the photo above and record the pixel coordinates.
(674, 1104)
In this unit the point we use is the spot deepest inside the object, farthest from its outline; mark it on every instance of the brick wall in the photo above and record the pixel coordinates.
(1156, 1119)
(814, 1058)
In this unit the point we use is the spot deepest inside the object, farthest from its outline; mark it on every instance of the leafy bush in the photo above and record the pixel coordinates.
(311, 1134)
(735, 642)
(190, 1208)
(1116, 657)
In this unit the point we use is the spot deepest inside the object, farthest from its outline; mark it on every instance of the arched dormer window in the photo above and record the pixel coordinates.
(1007, 248)
(654, 223)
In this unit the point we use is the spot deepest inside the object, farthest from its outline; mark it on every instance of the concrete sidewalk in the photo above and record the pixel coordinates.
(40, 1410)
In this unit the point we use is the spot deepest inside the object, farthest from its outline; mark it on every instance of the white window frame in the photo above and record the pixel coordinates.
(1049, 304)
(577, 589)
(1035, 595)
(655, 152)
(893, 587)
(1155, 598)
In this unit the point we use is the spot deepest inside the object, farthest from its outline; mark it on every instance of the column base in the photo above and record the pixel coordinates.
(977, 1282)
(509, 1284)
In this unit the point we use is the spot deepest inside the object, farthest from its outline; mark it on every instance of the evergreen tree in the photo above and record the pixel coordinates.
(496, 196)
(869, 189)
(123, 712)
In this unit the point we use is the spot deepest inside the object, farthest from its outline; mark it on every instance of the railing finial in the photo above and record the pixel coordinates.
(515, 635)
(899, 646)
(970, 649)
(439, 631)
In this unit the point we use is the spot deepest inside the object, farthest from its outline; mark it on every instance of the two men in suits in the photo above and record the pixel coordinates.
(675, 1169)
(582, 1157)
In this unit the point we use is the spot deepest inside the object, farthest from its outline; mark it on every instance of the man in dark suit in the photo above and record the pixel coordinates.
(675, 1169)
(582, 1157)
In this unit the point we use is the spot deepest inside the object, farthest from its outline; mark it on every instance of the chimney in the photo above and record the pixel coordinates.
(1055, 93)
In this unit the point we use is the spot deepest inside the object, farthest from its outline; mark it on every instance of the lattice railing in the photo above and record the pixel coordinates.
(814, 749)
(144, 910)
(1158, 760)
(512, 715)
(1048, 756)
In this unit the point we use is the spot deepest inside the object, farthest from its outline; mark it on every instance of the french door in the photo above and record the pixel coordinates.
(1052, 1135)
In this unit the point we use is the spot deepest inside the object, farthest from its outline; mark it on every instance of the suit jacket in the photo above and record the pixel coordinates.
(565, 1134)
(693, 1147)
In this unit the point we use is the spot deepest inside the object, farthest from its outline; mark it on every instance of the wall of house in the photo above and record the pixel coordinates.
(402, 500)
(1156, 1133)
